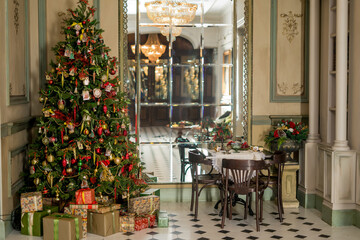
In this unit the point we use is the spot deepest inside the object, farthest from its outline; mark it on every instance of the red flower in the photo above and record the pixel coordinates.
(295, 132)
(292, 124)
(276, 133)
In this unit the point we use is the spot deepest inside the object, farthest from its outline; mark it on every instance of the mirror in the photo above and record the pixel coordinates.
(184, 72)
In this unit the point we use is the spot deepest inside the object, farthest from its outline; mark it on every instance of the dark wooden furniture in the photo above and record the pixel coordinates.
(196, 158)
(277, 160)
(245, 181)
(184, 161)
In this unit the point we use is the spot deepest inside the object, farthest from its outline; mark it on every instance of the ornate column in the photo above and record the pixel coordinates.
(341, 142)
(307, 163)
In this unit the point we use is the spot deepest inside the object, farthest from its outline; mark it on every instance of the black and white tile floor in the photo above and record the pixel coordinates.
(298, 224)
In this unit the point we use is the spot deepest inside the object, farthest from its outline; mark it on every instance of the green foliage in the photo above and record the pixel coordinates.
(84, 135)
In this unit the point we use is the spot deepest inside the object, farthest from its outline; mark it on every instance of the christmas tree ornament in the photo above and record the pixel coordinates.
(86, 81)
(50, 82)
(100, 130)
(80, 145)
(73, 161)
(103, 78)
(78, 42)
(41, 99)
(44, 163)
(48, 77)
(57, 196)
(108, 152)
(86, 95)
(52, 139)
(50, 179)
(69, 170)
(104, 126)
(32, 170)
(50, 158)
(70, 186)
(101, 140)
(92, 134)
(37, 181)
(97, 92)
(66, 137)
(112, 72)
(98, 150)
(67, 52)
(108, 115)
(117, 160)
(79, 164)
(106, 175)
(34, 161)
(61, 104)
(107, 132)
(64, 162)
(105, 109)
(108, 88)
(115, 141)
(125, 133)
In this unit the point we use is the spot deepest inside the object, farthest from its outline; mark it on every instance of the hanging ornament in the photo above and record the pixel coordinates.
(104, 126)
(57, 196)
(108, 88)
(70, 186)
(112, 71)
(92, 134)
(85, 95)
(97, 92)
(77, 33)
(50, 158)
(98, 150)
(101, 140)
(125, 132)
(80, 145)
(71, 128)
(46, 113)
(37, 181)
(100, 130)
(84, 184)
(79, 165)
(86, 81)
(50, 179)
(61, 104)
(64, 162)
(34, 161)
(104, 78)
(78, 42)
(86, 131)
(105, 109)
(72, 56)
(67, 52)
(44, 163)
(115, 141)
(69, 170)
(107, 132)
(117, 160)
(72, 71)
(41, 99)
(108, 152)
(66, 137)
(106, 175)
(108, 115)
(52, 139)
(32, 170)
(73, 161)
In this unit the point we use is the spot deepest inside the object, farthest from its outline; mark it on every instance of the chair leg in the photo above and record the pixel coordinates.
(246, 206)
(224, 209)
(230, 205)
(279, 202)
(257, 211)
(261, 206)
(196, 201)
(192, 197)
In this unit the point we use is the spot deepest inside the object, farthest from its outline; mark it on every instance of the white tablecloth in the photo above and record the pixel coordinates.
(217, 157)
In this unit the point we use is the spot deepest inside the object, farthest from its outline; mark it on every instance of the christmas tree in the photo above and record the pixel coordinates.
(83, 139)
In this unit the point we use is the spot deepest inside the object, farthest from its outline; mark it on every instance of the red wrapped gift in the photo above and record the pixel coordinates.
(151, 220)
(85, 196)
(141, 223)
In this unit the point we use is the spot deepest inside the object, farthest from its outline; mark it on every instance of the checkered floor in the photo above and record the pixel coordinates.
(298, 224)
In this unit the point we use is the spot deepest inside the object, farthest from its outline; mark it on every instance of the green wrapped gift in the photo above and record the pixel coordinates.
(163, 219)
(31, 222)
(151, 191)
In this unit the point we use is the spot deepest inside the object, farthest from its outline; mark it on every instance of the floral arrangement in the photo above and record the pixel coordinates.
(222, 129)
(287, 130)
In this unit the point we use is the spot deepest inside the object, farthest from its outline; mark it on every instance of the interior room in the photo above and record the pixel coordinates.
(115, 114)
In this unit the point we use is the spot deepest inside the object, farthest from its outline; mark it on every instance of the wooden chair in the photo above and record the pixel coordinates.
(195, 158)
(278, 161)
(184, 161)
(245, 181)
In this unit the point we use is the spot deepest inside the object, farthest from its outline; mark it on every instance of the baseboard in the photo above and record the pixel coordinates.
(357, 218)
(338, 218)
(5, 227)
(318, 202)
(306, 200)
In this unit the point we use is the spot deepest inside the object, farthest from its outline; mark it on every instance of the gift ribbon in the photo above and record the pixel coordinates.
(56, 225)
(30, 217)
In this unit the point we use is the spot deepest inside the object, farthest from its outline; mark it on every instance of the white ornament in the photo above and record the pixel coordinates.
(85, 95)
(86, 81)
(97, 92)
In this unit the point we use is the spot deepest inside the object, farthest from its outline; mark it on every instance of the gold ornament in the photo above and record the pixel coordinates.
(117, 160)
(69, 170)
(66, 137)
(34, 161)
(41, 99)
(50, 179)
(44, 163)
(106, 175)
(112, 156)
(57, 195)
(115, 141)
(50, 158)
(108, 115)
(104, 126)
(37, 181)
(86, 131)
(61, 106)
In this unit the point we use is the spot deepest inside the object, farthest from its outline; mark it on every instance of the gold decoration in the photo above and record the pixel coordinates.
(86, 131)
(50, 158)
(106, 175)
(66, 137)
(290, 25)
(44, 163)
(50, 179)
(34, 161)
(37, 181)
(69, 170)
(57, 196)
(117, 160)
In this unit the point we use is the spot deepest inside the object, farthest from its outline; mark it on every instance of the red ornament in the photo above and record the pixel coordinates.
(84, 22)
(98, 150)
(112, 72)
(68, 28)
(107, 132)
(50, 82)
(93, 180)
(130, 167)
(101, 140)
(125, 133)
(126, 156)
(64, 172)
(52, 139)
(73, 161)
(88, 20)
(105, 108)
(64, 163)
(100, 130)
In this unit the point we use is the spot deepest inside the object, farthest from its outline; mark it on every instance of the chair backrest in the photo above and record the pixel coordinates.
(197, 157)
(183, 146)
(242, 171)
(279, 157)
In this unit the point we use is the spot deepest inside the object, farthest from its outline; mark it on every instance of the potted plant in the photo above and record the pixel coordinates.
(222, 130)
(287, 136)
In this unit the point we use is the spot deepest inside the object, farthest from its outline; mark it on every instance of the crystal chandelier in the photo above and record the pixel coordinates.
(171, 12)
(152, 48)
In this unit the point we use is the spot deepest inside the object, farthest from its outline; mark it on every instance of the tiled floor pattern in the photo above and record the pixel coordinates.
(298, 224)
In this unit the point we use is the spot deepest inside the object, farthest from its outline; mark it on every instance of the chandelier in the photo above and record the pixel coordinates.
(171, 12)
(152, 48)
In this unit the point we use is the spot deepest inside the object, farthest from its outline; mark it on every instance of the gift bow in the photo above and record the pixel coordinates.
(30, 216)
(56, 225)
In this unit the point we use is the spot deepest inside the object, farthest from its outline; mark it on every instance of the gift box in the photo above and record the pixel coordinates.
(105, 208)
(141, 223)
(31, 222)
(31, 202)
(127, 223)
(151, 191)
(163, 219)
(144, 205)
(150, 178)
(103, 224)
(104, 200)
(83, 206)
(62, 226)
(48, 201)
(151, 220)
(85, 196)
